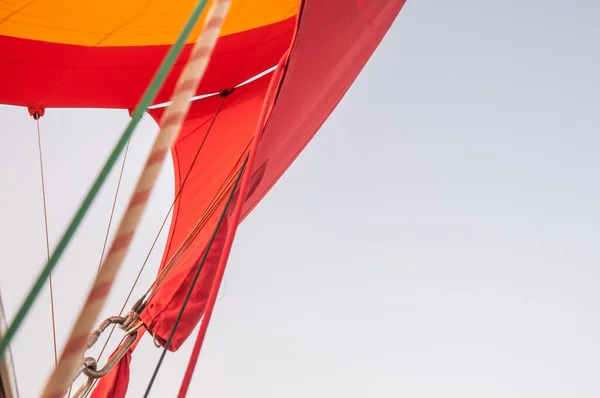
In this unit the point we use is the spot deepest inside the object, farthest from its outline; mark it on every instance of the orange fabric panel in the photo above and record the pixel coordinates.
(39, 74)
(114, 23)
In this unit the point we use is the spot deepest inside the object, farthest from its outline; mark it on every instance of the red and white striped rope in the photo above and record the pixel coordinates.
(171, 123)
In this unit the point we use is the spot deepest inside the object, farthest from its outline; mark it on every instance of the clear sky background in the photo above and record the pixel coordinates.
(438, 238)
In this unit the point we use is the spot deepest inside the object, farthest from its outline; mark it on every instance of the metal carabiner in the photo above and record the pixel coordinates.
(112, 361)
(89, 366)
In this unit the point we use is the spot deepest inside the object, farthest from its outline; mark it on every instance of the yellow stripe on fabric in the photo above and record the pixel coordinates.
(108, 23)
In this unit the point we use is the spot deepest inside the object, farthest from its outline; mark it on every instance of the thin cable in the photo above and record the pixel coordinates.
(163, 225)
(144, 103)
(39, 137)
(112, 211)
(200, 265)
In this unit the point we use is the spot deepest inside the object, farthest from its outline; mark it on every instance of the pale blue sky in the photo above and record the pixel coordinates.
(438, 238)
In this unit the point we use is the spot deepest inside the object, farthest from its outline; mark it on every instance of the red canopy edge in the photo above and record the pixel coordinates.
(53, 75)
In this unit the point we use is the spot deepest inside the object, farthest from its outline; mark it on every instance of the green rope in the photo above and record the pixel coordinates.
(145, 102)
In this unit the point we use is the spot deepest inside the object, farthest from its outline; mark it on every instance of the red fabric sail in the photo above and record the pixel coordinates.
(220, 146)
(333, 42)
(208, 154)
